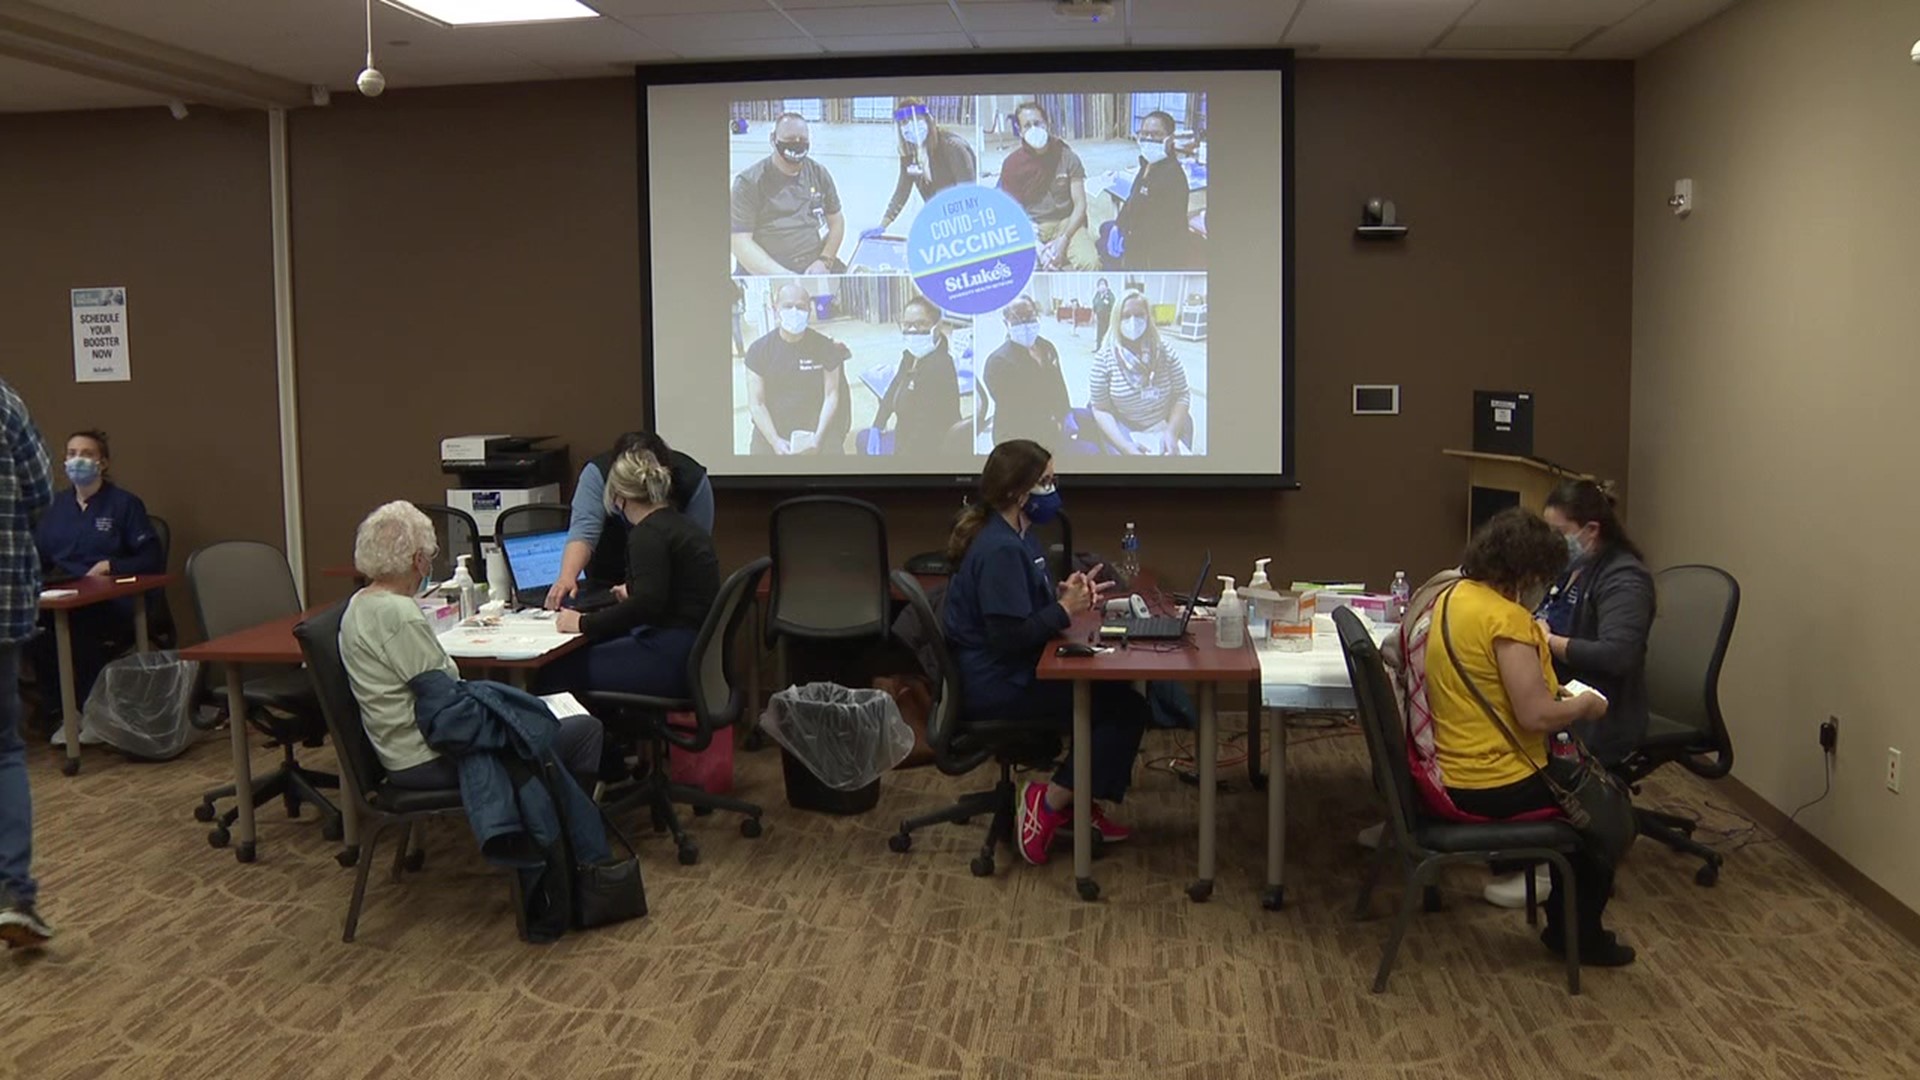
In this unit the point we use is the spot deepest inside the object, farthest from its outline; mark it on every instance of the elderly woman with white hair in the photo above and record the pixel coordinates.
(385, 641)
(641, 644)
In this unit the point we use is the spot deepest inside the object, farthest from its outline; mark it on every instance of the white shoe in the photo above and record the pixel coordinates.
(1369, 837)
(87, 738)
(1511, 891)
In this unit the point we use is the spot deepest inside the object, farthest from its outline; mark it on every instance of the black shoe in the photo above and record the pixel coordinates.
(22, 928)
(1604, 951)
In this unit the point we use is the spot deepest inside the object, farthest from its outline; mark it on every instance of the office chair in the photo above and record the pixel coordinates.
(237, 584)
(161, 630)
(1423, 846)
(1685, 648)
(716, 698)
(1056, 539)
(829, 563)
(379, 805)
(960, 746)
(535, 518)
(456, 534)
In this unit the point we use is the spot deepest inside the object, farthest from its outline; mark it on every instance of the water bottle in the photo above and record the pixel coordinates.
(1130, 554)
(469, 594)
(1402, 594)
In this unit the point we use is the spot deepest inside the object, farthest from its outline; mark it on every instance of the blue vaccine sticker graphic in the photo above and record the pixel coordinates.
(971, 249)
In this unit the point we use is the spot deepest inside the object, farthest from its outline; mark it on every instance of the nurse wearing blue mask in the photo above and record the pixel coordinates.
(95, 528)
(1002, 610)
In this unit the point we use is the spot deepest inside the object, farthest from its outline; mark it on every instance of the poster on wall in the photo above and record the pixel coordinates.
(100, 335)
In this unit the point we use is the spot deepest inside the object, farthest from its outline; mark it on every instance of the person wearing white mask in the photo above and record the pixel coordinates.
(95, 528)
(796, 390)
(1024, 381)
(1138, 392)
(932, 159)
(1150, 232)
(924, 397)
(1047, 178)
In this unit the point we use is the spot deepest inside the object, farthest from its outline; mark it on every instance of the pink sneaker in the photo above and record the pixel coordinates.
(1035, 823)
(1110, 830)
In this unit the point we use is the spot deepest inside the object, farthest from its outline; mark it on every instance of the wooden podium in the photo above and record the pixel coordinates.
(1498, 481)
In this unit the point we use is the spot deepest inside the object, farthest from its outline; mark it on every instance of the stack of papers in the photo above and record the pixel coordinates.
(519, 636)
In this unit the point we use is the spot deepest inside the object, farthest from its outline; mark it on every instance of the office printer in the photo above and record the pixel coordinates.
(499, 472)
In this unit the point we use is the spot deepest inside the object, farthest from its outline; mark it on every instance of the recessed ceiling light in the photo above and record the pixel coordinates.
(493, 12)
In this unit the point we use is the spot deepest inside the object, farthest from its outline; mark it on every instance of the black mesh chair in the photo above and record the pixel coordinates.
(829, 562)
(379, 805)
(457, 534)
(1685, 648)
(717, 696)
(960, 746)
(1423, 846)
(1056, 539)
(537, 518)
(238, 584)
(161, 630)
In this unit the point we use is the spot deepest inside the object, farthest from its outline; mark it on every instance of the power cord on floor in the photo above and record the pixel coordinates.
(1749, 832)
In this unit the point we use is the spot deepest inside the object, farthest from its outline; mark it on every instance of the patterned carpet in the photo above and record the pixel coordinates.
(815, 952)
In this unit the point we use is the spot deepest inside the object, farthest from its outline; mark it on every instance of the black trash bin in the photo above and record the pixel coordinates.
(835, 744)
(806, 791)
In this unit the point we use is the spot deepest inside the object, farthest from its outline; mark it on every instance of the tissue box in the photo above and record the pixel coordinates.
(1373, 606)
(1289, 615)
(441, 616)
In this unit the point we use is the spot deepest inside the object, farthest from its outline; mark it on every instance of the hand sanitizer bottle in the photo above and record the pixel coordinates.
(1229, 618)
(1257, 615)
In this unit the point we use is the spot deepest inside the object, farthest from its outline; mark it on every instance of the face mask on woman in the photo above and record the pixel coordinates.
(1133, 328)
(82, 470)
(914, 131)
(1043, 504)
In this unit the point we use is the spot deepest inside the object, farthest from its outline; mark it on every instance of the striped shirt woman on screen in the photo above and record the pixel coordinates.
(1138, 393)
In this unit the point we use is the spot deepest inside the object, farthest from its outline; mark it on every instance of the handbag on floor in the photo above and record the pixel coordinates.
(1595, 802)
(612, 891)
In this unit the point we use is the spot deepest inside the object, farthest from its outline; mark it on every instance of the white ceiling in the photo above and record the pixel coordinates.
(321, 42)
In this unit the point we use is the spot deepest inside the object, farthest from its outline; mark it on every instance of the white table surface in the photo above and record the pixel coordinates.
(1316, 679)
(521, 635)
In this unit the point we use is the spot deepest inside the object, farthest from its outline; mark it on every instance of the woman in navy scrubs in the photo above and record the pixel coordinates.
(1002, 610)
(95, 528)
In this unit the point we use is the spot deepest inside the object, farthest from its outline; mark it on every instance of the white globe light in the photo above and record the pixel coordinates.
(371, 82)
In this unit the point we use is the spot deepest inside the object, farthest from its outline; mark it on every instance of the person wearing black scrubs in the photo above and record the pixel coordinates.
(596, 539)
(925, 392)
(1153, 221)
(1024, 380)
(641, 644)
(93, 529)
(1003, 609)
(795, 384)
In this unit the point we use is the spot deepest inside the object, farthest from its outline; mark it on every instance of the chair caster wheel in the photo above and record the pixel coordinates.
(751, 827)
(203, 812)
(703, 811)
(244, 853)
(415, 861)
(218, 837)
(70, 767)
(333, 830)
(1274, 898)
(347, 857)
(689, 855)
(1707, 876)
(1200, 891)
(1430, 899)
(293, 809)
(1088, 888)
(900, 843)
(981, 866)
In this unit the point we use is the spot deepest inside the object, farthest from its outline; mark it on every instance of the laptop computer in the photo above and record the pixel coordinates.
(534, 561)
(1161, 627)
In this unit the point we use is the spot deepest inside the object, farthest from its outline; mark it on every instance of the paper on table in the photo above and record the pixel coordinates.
(563, 705)
(58, 594)
(520, 636)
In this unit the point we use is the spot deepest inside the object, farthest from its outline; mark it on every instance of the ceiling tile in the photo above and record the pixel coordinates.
(1652, 26)
(1494, 54)
(1101, 37)
(884, 19)
(1212, 37)
(1374, 24)
(805, 5)
(1514, 37)
(1244, 21)
(897, 43)
(1550, 12)
(596, 41)
(737, 26)
(1031, 15)
(626, 9)
(723, 49)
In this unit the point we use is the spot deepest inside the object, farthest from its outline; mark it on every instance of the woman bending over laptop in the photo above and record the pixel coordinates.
(640, 644)
(1003, 609)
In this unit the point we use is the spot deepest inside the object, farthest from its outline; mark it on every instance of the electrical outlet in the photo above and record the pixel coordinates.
(1893, 770)
(1830, 734)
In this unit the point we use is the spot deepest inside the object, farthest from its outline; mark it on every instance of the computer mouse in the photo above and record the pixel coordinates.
(1076, 648)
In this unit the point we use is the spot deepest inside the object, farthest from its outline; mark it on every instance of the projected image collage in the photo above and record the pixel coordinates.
(924, 277)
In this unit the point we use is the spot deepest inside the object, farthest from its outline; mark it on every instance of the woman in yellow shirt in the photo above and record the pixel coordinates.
(1485, 640)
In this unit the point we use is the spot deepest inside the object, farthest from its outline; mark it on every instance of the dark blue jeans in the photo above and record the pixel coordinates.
(16, 801)
(648, 660)
(1120, 718)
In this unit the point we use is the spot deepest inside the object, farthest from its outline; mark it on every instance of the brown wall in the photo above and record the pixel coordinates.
(464, 260)
(178, 213)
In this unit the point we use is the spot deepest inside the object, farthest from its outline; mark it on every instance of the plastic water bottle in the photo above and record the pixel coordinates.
(1130, 554)
(469, 594)
(1402, 594)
